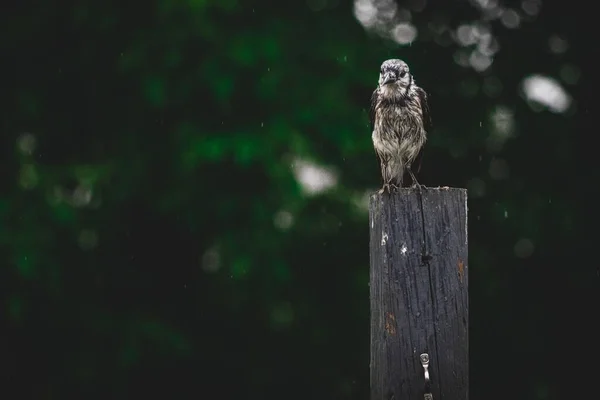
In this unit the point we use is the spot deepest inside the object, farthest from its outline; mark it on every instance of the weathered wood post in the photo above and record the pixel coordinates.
(419, 294)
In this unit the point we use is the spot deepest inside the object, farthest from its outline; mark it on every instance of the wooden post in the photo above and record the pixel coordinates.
(419, 294)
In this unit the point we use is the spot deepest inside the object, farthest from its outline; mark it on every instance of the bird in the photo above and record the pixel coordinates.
(400, 119)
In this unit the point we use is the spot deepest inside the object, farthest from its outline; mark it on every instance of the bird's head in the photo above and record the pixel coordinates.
(395, 78)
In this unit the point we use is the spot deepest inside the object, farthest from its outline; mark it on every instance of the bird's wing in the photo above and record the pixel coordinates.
(416, 165)
(372, 108)
(372, 116)
(427, 124)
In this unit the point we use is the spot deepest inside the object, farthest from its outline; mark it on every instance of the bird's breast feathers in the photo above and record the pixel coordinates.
(400, 120)
(397, 127)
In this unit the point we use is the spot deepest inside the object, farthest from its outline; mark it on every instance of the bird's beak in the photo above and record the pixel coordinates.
(389, 77)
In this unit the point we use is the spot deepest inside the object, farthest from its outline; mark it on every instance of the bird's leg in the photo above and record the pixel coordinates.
(386, 186)
(412, 176)
(384, 175)
(415, 183)
(391, 185)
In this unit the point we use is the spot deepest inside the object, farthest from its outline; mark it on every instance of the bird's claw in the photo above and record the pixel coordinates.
(387, 187)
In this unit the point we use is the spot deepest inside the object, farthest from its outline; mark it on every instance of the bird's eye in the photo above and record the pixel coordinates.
(403, 74)
(381, 70)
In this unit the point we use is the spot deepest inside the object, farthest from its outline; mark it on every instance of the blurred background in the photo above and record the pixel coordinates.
(184, 203)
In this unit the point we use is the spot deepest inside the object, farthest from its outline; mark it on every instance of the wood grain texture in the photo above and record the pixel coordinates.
(419, 293)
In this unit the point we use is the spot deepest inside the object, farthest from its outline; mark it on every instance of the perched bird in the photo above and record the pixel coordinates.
(400, 119)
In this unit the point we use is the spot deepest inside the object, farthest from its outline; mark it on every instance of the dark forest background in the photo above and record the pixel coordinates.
(184, 188)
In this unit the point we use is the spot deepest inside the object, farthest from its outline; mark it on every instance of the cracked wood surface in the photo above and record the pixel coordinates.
(419, 293)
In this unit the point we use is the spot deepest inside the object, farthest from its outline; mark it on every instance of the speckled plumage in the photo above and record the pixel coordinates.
(399, 119)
